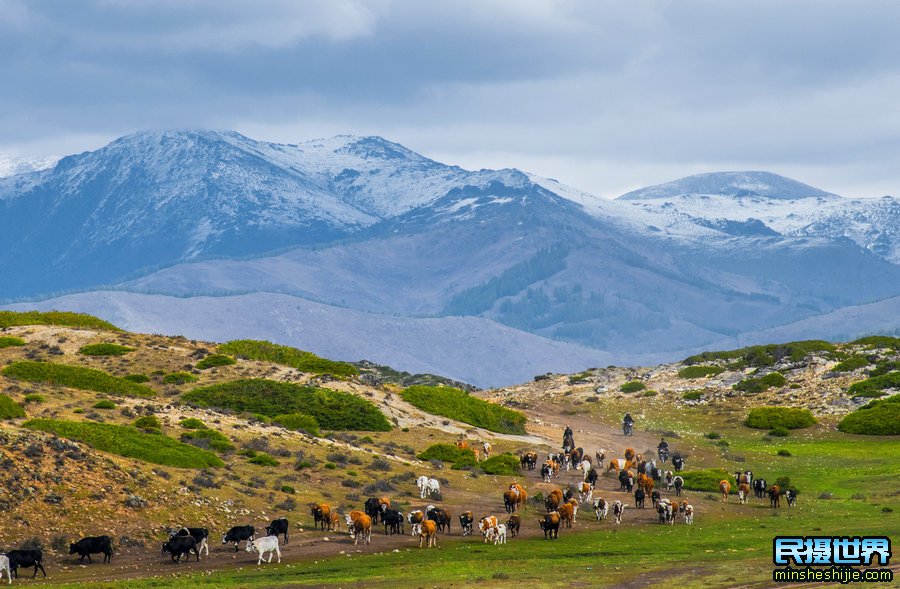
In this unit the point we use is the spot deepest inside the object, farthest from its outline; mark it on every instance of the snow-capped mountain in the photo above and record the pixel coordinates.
(11, 164)
(285, 238)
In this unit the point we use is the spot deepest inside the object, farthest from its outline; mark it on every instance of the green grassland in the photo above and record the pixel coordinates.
(286, 356)
(61, 318)
(76, 377)
(460, 405)
(129, 442)
(104, 349)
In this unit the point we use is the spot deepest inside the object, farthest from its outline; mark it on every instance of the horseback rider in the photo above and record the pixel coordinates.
(568, 438)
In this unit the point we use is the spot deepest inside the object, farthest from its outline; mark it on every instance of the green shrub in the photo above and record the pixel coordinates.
(879, 341)
(129, 442)
(712, 436)
(216, 440)
(692, 395)
(762, 356)
(700, 371)
(576, 378)
(502, 464)
(650, 393)
(179, 378)
(287, 356)
(104, 404)
(707, 479)
(632, 386)
(192, 423)
(773, 417)
(8, 342)
(783, 452)
(9, 409)
(78, 410)
(215, 360)
(876, 385)
(288, 489)
(448, 453)
(34, 398)
(76, 377)
(761, 384)
(780, 432)
(137, 378)
(851, 363)
(148, 423)
(13, 318)
(104, 350)
(877, 418)
(884, 367)
(298, 422)
(461, 406)
(334, 410)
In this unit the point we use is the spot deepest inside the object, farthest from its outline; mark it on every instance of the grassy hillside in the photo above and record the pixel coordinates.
(286, 356)
(63, 318)
(76, 377)
(460, 405)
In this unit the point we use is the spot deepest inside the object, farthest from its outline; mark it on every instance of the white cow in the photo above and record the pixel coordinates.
(427, 486)
(586, 492)
(585, 466)
(498, 534)
(689, 514)
(618, 509)
(4, 566)
(265, 545)
(601, 507)
(486, 448)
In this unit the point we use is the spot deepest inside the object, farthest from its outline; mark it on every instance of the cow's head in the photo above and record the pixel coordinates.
(250, 545)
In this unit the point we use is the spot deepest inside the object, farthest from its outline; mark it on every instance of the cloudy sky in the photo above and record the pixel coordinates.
(605, 96)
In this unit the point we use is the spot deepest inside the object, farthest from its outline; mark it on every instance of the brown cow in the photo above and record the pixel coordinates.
(334, 522)
(567, 513)
(550, 524)
(553, 499)
(486, 524)
(428, 534)
(629, 454)
(321, 514)
(513, 524)
(462, 444)
(521, 496)
(725, 488)
(743, 492)
(618, 464)
(359, 525)
(645, 483)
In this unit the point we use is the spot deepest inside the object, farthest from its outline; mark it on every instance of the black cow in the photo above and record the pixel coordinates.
(179, 546)
(277, 527)
(654, 496)
(441, 517)
(237, 534)
(626, 483)
(678, 462)
(201, 535)
(639, 496)
(92, 545)
(372, 507)
(393, 520)
(791, 496)
(466, 522)
(592, 477)
(550, 525)
(679, 484)
(759, 488)
(26, 558)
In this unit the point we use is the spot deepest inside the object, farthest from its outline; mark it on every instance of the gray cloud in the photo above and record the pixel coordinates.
(602, 95)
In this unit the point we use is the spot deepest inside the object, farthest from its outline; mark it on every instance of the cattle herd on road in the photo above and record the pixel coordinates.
(643, 478)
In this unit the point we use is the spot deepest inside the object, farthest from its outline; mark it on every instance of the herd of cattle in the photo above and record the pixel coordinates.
(642, 478)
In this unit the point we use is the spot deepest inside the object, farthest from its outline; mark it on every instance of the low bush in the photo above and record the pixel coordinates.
(9, 342)
(76, 377)
(779, 417)
(129, 442)
(766, 355)
(783, 452)
(448, 453)
(632, 386)
(34, 398)
(700, 371)
(707, 479)
(104, 404)
(64, 318)
(137, 378)
(298, 422)
(9, 409)
(215, 360)
(287, 356)
(192, 423)
(461, 406)
(760, 384)
(333, 410)
(502, 464)
(148, 423)
(884, 367)
(215, 440)
(692, 395)
(104, 350)
(877, 418)
(852, 363)
(179, 378)
(876, 385)
(879, 341)
(780, 432)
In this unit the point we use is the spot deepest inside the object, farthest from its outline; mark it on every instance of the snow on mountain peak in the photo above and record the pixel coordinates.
(732, 184)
